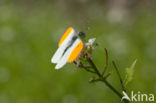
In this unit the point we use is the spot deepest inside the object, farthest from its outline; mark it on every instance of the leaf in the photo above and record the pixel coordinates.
(129, 73)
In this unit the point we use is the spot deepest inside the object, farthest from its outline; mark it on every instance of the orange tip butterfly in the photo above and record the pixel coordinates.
(70, 46)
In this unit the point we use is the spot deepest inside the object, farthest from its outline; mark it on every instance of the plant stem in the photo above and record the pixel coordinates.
(101, 78)
(105, 68)
(112, 88)
(118, 73)
(94, 67)
(104, 80)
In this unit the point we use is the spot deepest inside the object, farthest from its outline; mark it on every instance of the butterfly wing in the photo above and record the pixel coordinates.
(58, 53)
(67, 56)
(68, 34)
(64, 41)
(75, 52)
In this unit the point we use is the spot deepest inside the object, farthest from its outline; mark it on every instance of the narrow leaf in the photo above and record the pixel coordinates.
(129, 73)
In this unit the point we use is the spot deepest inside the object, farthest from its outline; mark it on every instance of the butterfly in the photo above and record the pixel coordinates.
(69, 48)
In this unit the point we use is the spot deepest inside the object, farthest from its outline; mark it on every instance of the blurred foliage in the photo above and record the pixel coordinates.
(30, 31)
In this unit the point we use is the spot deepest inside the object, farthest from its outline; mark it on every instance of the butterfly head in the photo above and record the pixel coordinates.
(82, 34)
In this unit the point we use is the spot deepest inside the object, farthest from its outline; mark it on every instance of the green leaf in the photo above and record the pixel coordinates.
(129, 73)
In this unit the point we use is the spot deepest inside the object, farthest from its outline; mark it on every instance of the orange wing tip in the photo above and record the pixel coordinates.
(75, 52)
(65, 35)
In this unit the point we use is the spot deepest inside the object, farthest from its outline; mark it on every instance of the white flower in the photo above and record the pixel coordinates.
(90, 42)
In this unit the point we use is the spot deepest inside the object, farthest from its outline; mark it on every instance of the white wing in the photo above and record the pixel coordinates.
(62, 47)
(58, 53)
(64, 59)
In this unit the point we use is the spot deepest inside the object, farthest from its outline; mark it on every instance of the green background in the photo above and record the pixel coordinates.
(29, 35)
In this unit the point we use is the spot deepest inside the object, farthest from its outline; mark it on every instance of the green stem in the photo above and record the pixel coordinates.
(105, 68)
(118, 73)
(105, 81)
(112, 88)
(94, 67)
